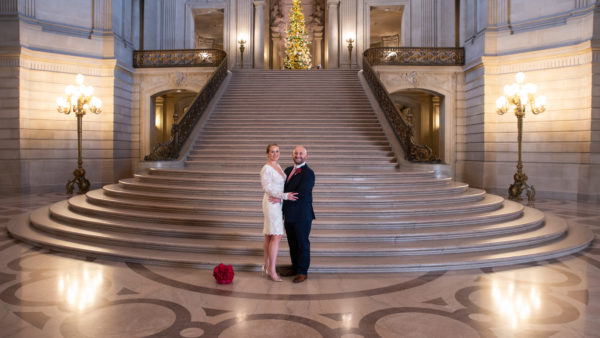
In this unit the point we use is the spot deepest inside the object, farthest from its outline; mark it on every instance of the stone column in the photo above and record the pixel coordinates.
(333, 39)
(275, 36)
(259, 34)
(317, 38)
(435, 124)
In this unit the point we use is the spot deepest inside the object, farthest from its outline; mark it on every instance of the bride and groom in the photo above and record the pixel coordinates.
(287, 203)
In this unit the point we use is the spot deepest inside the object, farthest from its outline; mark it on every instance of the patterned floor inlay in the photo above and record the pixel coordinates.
(47, 294)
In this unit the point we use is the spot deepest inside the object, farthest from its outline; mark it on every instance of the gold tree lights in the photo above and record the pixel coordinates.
(297, 54)
(517, 98)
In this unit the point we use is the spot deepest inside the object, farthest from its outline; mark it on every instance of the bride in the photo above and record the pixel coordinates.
(272, 179)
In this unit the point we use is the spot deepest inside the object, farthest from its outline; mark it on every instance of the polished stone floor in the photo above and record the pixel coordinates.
(45, 294)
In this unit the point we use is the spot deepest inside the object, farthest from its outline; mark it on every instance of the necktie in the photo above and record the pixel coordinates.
(291, 174)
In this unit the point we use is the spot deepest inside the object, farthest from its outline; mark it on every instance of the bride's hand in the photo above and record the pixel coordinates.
(292, 196)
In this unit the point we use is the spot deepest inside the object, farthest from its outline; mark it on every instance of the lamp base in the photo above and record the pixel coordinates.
(516, 189)
(80, 180)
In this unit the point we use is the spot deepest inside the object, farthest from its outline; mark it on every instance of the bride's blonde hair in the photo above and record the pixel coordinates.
(271, 145)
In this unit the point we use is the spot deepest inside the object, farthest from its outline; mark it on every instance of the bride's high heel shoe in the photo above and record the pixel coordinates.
(278, 279)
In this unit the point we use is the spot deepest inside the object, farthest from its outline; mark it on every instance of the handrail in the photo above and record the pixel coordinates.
(416, 56)
(181, 130)
(178, 58)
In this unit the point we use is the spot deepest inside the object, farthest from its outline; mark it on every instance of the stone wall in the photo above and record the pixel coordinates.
(552, 42)
(46, 45)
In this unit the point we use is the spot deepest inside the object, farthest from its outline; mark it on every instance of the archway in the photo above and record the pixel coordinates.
(167, 108)
(423, 110)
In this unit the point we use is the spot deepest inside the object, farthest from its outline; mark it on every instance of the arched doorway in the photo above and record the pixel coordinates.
(422, 109)
(167, 108)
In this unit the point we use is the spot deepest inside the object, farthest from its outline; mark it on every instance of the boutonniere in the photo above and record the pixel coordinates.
(298, 170)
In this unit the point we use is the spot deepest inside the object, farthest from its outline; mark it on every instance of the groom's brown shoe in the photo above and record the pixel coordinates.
(300, 278)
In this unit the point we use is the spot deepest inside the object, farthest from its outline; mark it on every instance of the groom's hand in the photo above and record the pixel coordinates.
(274, 200)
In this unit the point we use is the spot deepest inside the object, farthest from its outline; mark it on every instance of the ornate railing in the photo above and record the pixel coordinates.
(405, 56)
(178, 58)
(181, 130)
(417, 56)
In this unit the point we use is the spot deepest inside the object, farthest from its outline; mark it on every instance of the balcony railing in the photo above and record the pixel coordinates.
(415, 56)
(178, 58)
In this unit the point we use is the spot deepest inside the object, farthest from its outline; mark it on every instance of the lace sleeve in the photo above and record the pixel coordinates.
(268, 186)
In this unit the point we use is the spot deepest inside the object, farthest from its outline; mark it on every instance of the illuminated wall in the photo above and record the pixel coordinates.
(552, 43)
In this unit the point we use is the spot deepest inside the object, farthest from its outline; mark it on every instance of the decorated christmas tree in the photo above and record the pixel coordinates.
(297, 54)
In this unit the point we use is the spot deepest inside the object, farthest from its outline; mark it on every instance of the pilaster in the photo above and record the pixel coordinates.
(333, 34)
(259, 34)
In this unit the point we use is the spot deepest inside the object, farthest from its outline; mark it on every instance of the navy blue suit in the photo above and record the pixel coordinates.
(298, 216)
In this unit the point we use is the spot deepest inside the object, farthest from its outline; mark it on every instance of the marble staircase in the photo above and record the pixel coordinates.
(372, 215)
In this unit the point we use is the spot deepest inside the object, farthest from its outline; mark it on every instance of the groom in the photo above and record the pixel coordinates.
(298, 215)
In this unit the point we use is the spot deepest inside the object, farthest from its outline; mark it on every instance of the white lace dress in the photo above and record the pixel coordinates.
(272, 183)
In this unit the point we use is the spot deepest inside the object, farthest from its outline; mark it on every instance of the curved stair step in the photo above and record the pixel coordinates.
(549, 231)
(217, 190)
(255, 200)
(576, 238)
(487, 203)
(252, 181)
(530, 219)
(510, 211)
(347, 176)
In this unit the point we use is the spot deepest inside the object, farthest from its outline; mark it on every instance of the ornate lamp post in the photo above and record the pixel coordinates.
(242, 42)
(80, 101)
(517, 97)
(350, 40)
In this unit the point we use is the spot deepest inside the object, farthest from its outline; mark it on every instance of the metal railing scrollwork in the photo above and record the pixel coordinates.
(418, 56)
(405, 56)
(178, 58)
(181, 130)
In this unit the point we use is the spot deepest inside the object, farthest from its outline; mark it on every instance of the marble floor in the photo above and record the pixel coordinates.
(46, 294)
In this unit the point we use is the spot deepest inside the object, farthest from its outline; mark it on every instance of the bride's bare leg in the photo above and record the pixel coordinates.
(273, 250)
(266, 245)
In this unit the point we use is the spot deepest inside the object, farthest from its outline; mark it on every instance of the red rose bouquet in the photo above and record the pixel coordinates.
(223, 273)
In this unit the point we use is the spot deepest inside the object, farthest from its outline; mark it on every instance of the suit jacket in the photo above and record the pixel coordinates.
(302, 183)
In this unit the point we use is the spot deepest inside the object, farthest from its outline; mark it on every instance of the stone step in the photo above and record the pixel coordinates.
(530, 219)
(253, 189)
(317, 152)
(486, 203)
(258, 142)
(142, 193)
(344, 176)
(484, 212)
(575, 239)
(337, 183)
(318, 248)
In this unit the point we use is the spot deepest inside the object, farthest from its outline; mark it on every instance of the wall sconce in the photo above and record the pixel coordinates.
(242, 43)
(80, 101)
(350, 40)
(517, 97)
